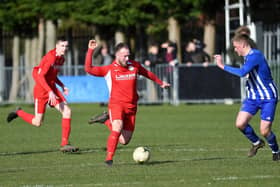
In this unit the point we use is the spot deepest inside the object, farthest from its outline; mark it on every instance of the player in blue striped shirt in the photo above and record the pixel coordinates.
(261, 95)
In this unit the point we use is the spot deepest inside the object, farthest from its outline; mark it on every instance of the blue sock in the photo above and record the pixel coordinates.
(249, 132)
(272, 142)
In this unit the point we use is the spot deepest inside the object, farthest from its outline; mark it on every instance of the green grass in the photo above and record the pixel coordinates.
(191, 145)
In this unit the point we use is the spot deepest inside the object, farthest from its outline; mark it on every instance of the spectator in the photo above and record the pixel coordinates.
(169, 53)
(106, 57)
(153, 57)
(101, 56)
(194, 54)
(188, 53)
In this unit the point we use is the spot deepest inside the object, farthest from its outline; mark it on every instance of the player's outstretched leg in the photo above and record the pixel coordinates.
(254, 149)
(13, 115)
(100, 118)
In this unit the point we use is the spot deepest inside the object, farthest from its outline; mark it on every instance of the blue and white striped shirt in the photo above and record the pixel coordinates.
(259, 84)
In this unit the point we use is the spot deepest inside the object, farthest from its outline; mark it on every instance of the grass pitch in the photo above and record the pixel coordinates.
(191, 145)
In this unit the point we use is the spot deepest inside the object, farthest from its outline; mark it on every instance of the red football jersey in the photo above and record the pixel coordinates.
(121, 81)
(45, 74)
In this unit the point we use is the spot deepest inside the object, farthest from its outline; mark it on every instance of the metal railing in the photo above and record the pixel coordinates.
(271, 42)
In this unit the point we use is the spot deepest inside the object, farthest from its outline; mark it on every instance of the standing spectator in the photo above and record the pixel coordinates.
(101, 56)
(194, 54)
(106, 57)
(152, 60)
(261, 95)
(122, 77)
(46, 92)
(153, 57)
(97, 57)
(188, 53)
(169, 53)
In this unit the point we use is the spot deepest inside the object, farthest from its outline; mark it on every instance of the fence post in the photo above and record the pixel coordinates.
(175, 90)
(2, 77)
(278, 43)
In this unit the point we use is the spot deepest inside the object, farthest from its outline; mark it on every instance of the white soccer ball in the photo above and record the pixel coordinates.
(141, 155)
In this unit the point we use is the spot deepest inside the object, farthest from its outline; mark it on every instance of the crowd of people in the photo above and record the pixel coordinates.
(166, 53)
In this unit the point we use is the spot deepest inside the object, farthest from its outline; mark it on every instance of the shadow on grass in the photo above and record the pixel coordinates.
(161, 162)
(81, 151)
(152, 163)
(213, 158)
(27, 152)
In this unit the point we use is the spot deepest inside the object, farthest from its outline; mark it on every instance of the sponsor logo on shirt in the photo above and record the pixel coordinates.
(126, 77)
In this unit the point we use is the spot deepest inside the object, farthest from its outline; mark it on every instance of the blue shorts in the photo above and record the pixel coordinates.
(267, 108)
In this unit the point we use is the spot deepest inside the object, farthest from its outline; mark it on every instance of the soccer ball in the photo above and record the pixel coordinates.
(141, 155)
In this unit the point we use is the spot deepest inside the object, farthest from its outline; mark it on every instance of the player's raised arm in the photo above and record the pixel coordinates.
(88, 62)
(92, 44)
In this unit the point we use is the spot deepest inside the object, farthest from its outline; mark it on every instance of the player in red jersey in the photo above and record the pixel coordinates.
(45, 92)
(121, 77)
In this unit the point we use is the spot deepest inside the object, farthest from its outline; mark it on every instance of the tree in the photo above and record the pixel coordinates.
(21, 23)
(26, 22)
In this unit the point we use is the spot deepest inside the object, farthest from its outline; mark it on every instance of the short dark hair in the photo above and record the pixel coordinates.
(61, 39)
(120, 46)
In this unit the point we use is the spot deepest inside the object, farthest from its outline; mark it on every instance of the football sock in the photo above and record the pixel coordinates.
(66, 129)
(25, 116)
(249, 132)
(112, 143)
(272, 142)
(108, 124)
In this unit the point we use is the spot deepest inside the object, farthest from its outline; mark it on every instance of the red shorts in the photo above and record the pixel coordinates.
(41, 103)
(41, 96)
(121, 112)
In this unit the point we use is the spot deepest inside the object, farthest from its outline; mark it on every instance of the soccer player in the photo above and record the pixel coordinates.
(45, 92)
(261, 95)
(121, 77)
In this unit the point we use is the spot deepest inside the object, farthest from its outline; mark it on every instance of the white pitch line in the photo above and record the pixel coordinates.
(231, 178)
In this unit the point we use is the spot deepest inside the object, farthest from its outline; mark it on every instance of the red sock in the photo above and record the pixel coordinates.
(108, 124)
(112, 143)
(25, 116)
(66, 129)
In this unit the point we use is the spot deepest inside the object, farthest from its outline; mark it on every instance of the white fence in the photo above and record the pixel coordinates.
(271, 42)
